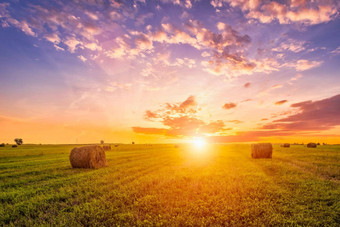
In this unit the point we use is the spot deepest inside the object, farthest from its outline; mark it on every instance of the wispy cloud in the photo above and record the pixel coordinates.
(281, 102)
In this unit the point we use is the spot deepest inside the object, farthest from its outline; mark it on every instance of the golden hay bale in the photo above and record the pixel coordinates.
(261, 150)
(311, 145)
(88, 157)
(285, 145)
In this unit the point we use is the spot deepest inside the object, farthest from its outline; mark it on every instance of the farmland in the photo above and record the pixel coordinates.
(162, 185)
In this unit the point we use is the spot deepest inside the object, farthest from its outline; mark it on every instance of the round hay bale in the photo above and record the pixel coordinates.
(14, 146)
(311, 145)
(261, 150)
(88, 157)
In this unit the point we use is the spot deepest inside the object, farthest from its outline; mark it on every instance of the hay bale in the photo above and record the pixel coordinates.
(285, 145)
(311, 145)
(261, 150)
(88, 157)
(14, 145)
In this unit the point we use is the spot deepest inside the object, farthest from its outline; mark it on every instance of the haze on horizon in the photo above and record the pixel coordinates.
(170, 70)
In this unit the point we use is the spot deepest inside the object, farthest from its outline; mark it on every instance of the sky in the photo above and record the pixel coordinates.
(162, 71)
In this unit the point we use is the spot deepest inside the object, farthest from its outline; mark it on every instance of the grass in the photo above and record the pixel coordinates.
(159, 185)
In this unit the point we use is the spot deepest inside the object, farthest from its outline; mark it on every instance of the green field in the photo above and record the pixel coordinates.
(155, 185)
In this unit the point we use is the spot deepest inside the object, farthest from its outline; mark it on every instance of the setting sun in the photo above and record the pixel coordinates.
(199, 142)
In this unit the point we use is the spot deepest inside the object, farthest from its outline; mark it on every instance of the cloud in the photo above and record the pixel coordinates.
(189, 102)
(294, 78)
(268, 90)
(229, 105)
(53, 38)
(246, 85)
(149, 115)
(82, 58)
(336, 51)
(22, 25)
(286, 12)
(81, 28)
(183, 3)
(181, 119)
(291, 45)
(213, 127)
(281, 102)
(303, 64)
(312, 116)
(72, 44)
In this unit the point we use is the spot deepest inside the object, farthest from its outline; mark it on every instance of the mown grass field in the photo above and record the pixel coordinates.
(155, 185)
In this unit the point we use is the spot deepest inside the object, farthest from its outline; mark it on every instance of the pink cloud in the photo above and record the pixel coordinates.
(298, 11)
(246, 85)
(312, 116)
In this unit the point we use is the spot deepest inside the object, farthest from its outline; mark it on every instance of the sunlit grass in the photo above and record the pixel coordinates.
(150, 185)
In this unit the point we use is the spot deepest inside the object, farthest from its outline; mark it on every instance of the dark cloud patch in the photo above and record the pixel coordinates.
(189, 102)
(281, 102)
(149, 115)
(246, 85)
(229, 105)
(312, 116)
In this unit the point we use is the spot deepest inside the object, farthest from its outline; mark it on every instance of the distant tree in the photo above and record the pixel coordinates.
(18, 141)
(102, 142)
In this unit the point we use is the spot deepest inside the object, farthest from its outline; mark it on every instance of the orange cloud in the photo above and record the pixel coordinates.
(281, 102)
(180, 119)
(229, 105)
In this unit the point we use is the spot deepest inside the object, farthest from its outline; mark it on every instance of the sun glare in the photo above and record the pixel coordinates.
(199, 142)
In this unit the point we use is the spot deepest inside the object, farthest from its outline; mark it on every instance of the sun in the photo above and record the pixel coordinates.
(199, 142)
